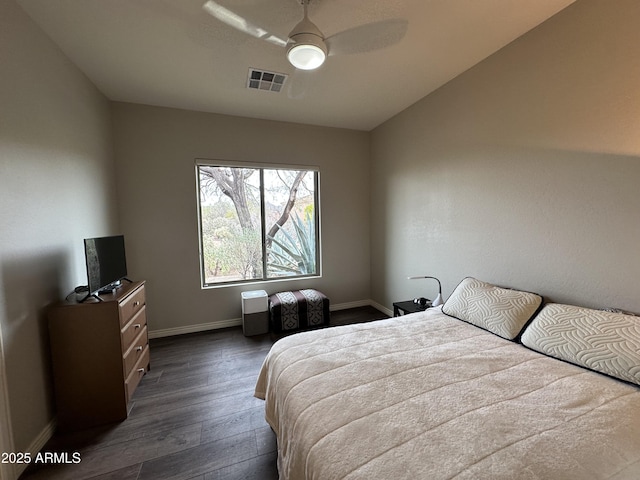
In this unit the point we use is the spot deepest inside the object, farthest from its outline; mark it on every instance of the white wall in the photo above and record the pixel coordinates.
(156, 150)
(523, 171)
(56, 187)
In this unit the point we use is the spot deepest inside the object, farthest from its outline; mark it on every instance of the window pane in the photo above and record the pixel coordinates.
(290, 219)
(257, 223)
(230, 224)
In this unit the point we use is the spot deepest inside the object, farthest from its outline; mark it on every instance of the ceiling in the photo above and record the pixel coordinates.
(173, 53)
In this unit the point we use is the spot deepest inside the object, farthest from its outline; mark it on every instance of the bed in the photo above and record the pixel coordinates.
(459, 392)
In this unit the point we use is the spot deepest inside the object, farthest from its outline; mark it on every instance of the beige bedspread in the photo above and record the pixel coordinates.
(426, 396)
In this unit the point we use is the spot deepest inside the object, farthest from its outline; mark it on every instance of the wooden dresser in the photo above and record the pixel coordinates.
(100, 352)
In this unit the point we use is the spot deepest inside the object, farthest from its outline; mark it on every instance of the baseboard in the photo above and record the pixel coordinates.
(37, 445)
(201, 327)
(382, 308)
(344, 306)
(235, 322)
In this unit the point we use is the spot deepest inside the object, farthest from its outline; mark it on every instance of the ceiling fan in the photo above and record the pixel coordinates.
(306, 46)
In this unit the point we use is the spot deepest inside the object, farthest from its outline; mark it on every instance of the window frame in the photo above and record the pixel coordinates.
(261, 167)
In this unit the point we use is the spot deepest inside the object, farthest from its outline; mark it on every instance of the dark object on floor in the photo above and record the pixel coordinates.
(298, 309)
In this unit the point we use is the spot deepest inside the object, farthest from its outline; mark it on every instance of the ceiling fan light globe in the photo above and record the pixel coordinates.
(306, 57)
(306, 51)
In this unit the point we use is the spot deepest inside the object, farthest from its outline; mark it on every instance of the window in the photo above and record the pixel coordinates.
(257, 223)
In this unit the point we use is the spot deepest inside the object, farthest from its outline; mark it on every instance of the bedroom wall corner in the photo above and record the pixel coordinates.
(522, 171)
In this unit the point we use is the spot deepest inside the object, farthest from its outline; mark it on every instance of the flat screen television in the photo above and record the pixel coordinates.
(106, 263)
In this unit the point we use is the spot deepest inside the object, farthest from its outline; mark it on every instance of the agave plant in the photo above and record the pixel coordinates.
(294, 253)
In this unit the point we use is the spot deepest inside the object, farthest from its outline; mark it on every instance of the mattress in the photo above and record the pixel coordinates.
(427, 396)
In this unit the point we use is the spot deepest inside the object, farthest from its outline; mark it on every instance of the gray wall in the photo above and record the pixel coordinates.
(156, 150)
(523, 171)
(56, 187)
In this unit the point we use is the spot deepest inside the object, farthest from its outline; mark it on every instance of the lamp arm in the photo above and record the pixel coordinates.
(438, 301)
(434, 278)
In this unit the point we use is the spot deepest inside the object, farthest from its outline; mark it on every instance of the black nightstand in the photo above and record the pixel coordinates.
(409, 307)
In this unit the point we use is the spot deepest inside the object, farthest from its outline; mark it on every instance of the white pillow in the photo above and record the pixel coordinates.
(502, 311)
(606, 342)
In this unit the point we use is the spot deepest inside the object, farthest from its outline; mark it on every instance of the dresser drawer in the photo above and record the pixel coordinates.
(133, 328)
(137, 373)
(132, 355)
(131, 305)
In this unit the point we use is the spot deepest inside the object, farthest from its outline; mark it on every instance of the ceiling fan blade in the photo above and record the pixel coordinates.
(368, 37)
(240, 23)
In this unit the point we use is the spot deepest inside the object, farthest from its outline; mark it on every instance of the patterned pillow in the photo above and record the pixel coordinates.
(606, 342)
(502, 311)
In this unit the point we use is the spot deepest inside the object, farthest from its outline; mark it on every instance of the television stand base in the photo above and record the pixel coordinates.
(92, 295)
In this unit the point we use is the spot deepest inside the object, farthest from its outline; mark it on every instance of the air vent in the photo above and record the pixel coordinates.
(267, 81)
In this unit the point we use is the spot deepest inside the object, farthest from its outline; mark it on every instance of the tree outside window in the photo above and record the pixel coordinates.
(257, 223)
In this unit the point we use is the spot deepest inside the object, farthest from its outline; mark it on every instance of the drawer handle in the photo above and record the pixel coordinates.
(136, 303)
(136, 325)
(138, 348)
(141, 370)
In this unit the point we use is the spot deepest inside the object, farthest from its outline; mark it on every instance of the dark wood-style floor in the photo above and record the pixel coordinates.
(193, 417)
